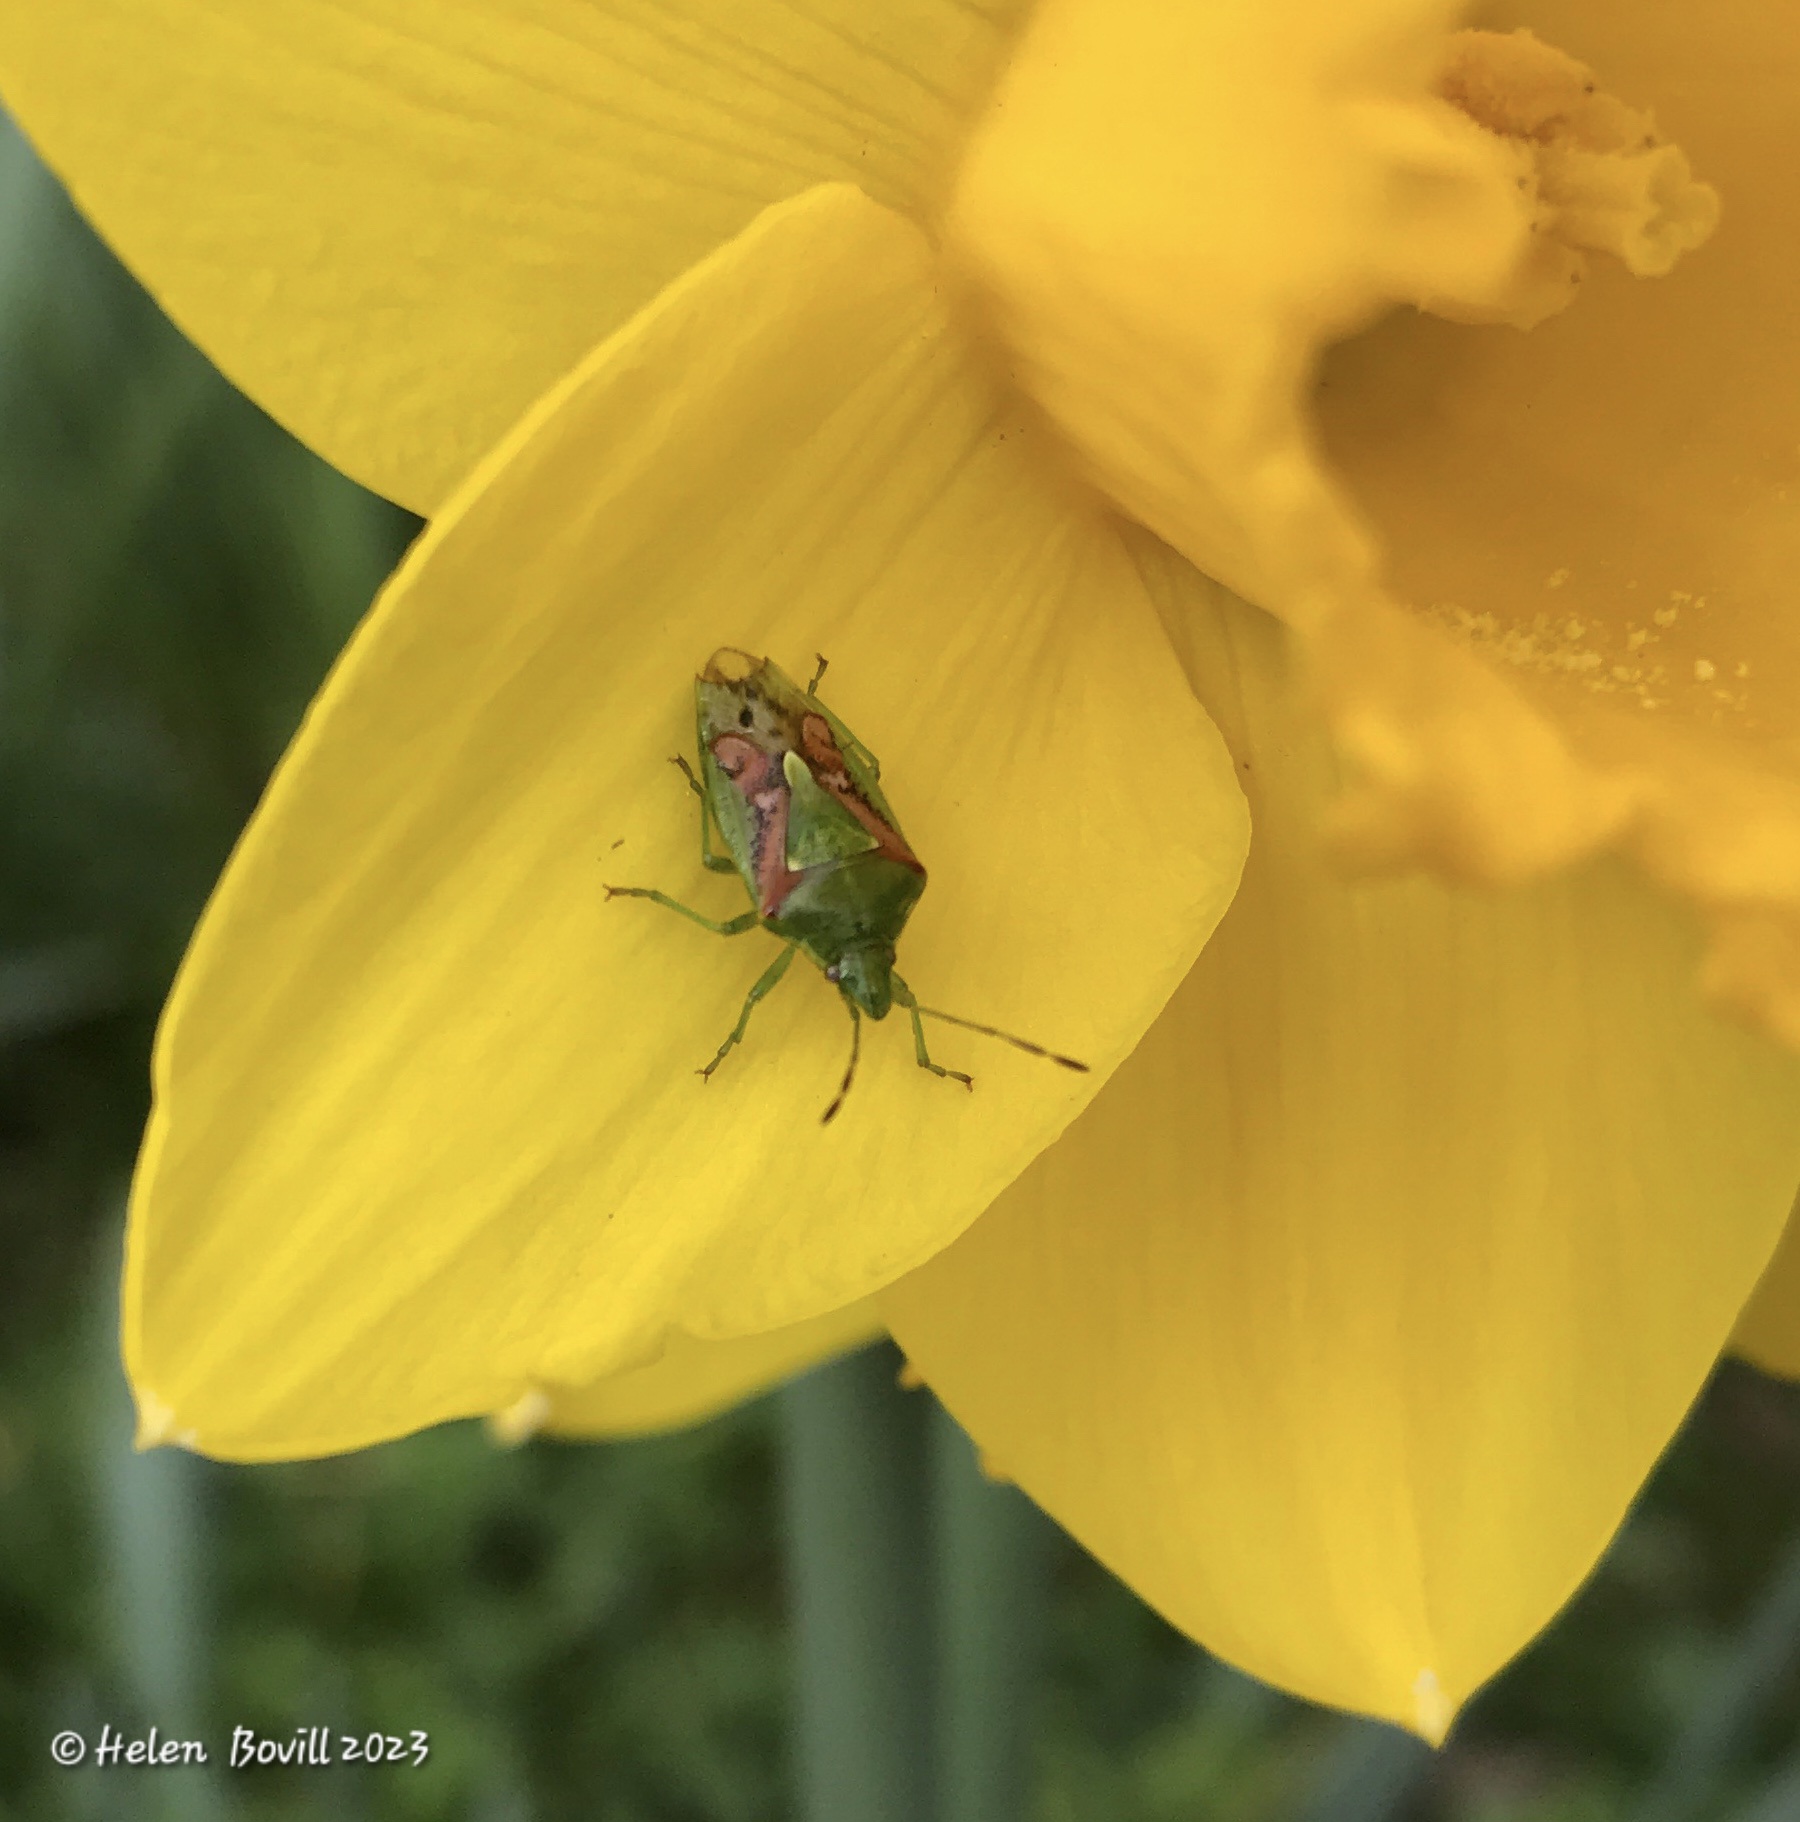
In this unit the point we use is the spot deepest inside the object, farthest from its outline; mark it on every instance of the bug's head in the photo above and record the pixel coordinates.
(865, 977)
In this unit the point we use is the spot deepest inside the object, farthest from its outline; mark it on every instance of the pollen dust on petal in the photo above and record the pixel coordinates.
(1637, 661)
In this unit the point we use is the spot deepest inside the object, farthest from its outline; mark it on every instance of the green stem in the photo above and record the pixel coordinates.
(855, 1451)
(1370, 1773)
(993, 1550)
(1701, 1755)
(153, 1515)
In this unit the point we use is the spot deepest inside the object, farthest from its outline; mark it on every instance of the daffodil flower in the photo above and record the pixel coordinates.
(965, 344)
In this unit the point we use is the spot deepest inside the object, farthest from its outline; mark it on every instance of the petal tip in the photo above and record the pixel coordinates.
(157, 1427)
(992, 1470)
(1432, 1709)
(521, 1420)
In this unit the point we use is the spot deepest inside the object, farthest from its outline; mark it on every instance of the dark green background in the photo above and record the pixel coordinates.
(587, 1632)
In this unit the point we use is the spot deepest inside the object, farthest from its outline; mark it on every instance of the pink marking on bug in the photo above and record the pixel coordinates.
(758, 777)
(824, 759)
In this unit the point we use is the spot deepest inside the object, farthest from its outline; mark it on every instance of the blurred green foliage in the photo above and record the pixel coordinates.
(584, 1632)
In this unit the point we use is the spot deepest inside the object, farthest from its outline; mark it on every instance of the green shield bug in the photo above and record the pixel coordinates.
(797, 800)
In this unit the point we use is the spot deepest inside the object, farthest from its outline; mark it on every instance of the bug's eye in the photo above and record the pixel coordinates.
(746, 716)
(834, 973)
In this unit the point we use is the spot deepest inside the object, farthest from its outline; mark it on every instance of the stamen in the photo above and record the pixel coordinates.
(1594, 175)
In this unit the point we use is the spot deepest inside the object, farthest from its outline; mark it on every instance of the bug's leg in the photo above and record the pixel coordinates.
(921, 1055)
(812, 689)
(837, 1100)
(714, 863)
(687, 772)
(904, 994)
(730, 926)
(765, 983)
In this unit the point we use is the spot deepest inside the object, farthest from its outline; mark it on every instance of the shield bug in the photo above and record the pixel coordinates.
(796, 799)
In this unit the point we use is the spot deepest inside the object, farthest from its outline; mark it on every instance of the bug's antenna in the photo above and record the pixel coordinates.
(1006, 1037)
(830, 1112)
(812, 689)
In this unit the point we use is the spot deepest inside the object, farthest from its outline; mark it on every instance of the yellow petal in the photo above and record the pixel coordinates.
(1348, 1320)
(428, 1131)
(697, 1379)
(1543, 578)
(394, 223)
(1768, 1332)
